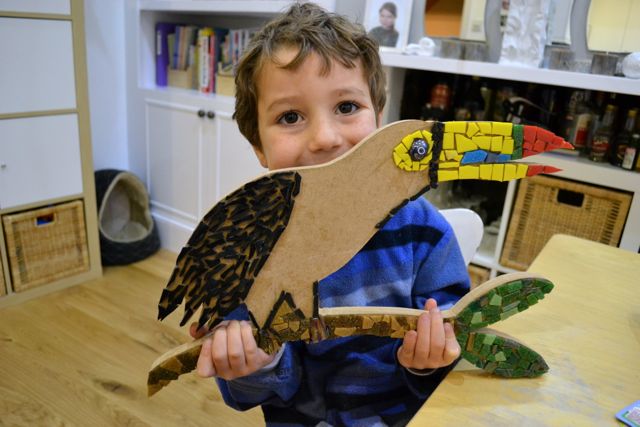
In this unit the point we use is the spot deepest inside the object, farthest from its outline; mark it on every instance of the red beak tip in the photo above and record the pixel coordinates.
(551, 169)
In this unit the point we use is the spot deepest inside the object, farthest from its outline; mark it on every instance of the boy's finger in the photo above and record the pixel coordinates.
(452, 347)
(219, 352)
(205, 366)
(437, 343)
(406, 350)
(250, 347)
(235, 348)
(195, 332)
(430, 304)
(423, 342)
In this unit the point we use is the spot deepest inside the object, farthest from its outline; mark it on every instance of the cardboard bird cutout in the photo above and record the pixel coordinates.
(267, 244)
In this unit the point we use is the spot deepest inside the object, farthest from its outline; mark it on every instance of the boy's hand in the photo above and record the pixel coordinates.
(433, 345)
(231, 352)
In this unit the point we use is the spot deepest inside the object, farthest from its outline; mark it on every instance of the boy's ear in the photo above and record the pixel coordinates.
(379, 119)
(261, 157)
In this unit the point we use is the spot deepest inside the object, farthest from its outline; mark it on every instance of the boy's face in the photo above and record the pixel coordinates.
(307, 119)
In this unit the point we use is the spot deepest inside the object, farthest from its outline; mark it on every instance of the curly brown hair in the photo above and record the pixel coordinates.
(311, 29)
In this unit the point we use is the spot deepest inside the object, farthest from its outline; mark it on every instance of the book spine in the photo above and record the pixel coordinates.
(162, 52)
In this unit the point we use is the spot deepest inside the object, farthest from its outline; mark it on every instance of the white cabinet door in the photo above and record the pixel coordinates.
(237, 161)
(192, 162)
(175, 153)
(39, 159)
(37, 72)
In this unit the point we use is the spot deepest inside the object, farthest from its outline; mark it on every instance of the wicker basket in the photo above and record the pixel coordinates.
(46, 244)
(478, 275)
(546, 206)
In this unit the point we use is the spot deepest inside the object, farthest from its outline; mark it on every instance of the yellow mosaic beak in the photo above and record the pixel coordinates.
(477, 150)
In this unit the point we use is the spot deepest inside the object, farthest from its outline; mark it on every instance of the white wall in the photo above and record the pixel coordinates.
(104, 31)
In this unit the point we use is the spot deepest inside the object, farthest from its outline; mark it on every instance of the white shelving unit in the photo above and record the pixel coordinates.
(574, 168)
(520, 74)
(210, 142)
(184, 144)
(45, 150)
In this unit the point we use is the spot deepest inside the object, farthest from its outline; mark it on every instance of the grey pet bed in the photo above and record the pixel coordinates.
(128, 232)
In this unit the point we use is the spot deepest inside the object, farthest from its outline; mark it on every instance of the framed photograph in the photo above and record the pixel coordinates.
(388, 22)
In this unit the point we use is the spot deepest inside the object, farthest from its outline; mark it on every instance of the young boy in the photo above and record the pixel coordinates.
(309, 88)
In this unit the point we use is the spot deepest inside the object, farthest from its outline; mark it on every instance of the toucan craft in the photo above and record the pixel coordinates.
(269, 243)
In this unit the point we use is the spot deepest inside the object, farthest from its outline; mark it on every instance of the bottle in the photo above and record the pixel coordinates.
(577, 120)
(476, 102)
(471, 106)
(602, 138)
(632, 153)
(583, 123)
(439, 103)
(429, 112)
(486, 91)
(549, 112)
(441, 96)
(498, 112)
(621, 141)
(599, 104)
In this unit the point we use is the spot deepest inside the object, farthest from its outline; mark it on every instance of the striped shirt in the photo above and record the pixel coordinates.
(357, 381)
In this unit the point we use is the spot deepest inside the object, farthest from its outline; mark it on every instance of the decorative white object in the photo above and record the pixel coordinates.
(425, 47)
(631, 65)
(526, 33)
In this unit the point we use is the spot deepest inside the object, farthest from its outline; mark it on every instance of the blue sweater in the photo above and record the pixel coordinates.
(358, 380)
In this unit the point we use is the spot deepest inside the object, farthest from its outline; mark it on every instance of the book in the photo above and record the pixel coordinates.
(204, 59)
(163, 30)
(201, 52)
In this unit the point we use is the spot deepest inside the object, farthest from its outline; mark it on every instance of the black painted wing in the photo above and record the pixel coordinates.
(228, 248)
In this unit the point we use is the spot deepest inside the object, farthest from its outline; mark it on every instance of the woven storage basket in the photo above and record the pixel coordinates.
(546, 206)
(478, 275)
(46, 244)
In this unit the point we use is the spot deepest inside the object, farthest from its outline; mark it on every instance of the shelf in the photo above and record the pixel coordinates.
(584, 170)
(483, 260)
(496, 71)
(486, 261)
(236, 7)
(174, 93)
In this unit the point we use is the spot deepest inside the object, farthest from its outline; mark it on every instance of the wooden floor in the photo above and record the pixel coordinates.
(81, 356)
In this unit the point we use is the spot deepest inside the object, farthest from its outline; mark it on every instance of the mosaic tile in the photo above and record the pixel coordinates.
(483, 144)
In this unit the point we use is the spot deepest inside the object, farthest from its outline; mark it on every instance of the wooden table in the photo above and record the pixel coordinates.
(588, 331)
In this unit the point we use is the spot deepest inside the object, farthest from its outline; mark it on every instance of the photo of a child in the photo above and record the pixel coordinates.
(385, 33)
(388, 22)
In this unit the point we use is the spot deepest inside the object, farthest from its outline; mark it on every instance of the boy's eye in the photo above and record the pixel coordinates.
(347, 107)
(290, 117)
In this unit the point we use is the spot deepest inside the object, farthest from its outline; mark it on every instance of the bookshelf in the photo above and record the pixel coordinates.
(184, 144)
(573, 168)
(46, 166)
(211, 142)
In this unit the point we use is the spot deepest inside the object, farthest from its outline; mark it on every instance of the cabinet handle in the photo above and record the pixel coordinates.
(200, 113)
(211, 114)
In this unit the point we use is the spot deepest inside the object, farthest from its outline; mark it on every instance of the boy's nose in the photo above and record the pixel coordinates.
(325, 136)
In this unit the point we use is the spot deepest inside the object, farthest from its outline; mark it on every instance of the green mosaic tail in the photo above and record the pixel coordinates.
(502, 356)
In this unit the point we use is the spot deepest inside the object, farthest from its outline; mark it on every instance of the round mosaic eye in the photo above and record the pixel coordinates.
(418, 150)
